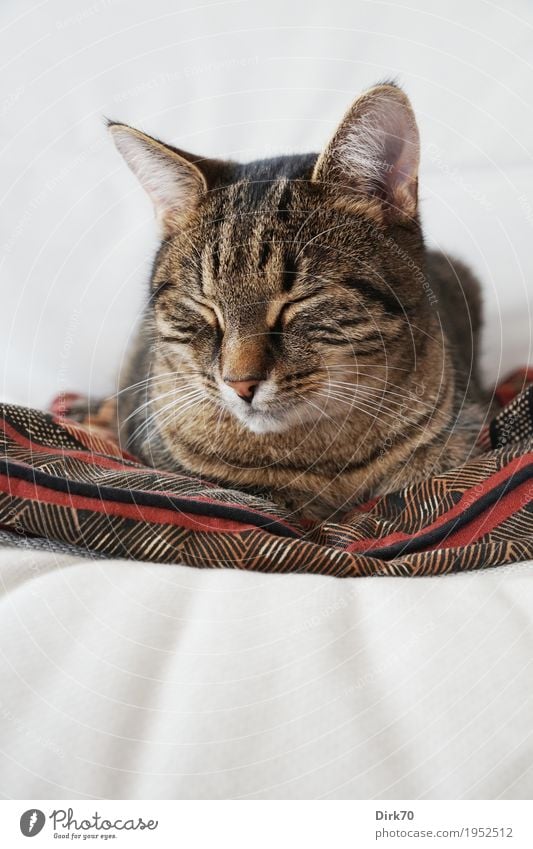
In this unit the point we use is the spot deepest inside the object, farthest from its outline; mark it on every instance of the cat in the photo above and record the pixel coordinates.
(298, 340)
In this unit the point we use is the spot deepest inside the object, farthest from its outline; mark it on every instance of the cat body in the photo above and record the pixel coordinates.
(299, 341)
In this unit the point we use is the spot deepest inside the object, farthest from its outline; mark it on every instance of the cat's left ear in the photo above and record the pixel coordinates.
(172, 181)
(375, 151)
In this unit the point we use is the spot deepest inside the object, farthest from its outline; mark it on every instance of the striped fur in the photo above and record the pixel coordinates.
(307, 275)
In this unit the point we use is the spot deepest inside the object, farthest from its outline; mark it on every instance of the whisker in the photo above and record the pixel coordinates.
(173, 415)
(381, 380)
(158, 414)
(426, 409)
(355, 366)
(320, 410)
(371, 409)
(146, 381)
(145, 427)
(176, 392)
(380, 392)
(350, 402)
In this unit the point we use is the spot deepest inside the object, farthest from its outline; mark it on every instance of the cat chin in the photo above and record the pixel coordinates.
(260, 423)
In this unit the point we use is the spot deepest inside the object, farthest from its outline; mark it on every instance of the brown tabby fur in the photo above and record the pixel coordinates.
(315, 282)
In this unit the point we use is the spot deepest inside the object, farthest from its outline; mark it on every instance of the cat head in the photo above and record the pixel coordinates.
(282, 282)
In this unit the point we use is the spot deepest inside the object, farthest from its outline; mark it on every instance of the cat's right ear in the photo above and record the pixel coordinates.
(173, 183)
(375, 151)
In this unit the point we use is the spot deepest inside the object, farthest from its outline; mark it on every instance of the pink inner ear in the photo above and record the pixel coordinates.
(375, 150)
(406, 153)
(395, 126)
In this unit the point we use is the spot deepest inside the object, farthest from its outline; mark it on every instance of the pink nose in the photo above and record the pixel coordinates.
(244, 388)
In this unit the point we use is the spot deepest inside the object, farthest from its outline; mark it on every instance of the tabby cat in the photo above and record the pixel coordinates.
(298, 340)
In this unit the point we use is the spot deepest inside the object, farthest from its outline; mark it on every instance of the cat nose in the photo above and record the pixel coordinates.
(245, 389)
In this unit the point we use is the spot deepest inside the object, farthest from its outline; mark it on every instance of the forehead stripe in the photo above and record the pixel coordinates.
(289, 274)
(284, 202)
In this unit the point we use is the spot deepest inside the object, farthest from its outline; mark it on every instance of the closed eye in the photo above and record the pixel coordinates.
(190, 314)
(288, 305)
(207, 310)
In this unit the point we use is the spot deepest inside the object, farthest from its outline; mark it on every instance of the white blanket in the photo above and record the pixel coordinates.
(134, 680)
(140, 681)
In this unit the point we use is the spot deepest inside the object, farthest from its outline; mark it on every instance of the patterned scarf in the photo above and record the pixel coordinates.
(64, 484)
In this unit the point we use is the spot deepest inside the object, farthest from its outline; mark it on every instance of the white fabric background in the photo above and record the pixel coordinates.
(134, 680)
(244, 79)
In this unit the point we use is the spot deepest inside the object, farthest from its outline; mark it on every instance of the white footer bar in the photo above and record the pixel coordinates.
(267, 824)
